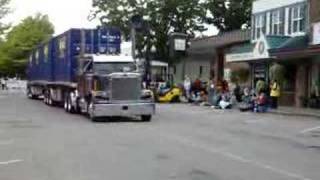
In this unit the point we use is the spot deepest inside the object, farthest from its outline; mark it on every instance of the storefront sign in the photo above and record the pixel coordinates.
(260, 51)
(239, 57)
(316, 33)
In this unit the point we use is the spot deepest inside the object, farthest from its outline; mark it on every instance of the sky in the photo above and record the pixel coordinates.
(64, 14)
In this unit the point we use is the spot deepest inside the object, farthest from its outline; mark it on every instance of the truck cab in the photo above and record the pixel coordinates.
(110, 85)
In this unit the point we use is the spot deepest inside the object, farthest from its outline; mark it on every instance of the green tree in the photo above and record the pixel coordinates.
(162, 17)
(228, 15)
(22, 39)
(4, 11)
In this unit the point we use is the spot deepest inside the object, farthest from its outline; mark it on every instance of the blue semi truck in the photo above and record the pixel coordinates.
(83, 71)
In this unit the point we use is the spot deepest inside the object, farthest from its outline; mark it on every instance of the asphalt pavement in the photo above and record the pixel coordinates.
(183, 142)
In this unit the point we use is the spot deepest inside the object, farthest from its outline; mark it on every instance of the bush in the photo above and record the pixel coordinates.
(277, 72)
(240, 75)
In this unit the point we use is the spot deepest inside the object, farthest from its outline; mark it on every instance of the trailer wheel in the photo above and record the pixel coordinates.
(65, 104)
(30, 95)
(45, 100)
(71, 109)
(78, 108)
(146, 118)
(50, 102)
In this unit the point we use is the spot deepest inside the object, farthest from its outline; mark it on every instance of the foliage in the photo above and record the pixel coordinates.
(21, 40)
(161, 16)
(4, 10)
(261, 86)
(228, 15)
(277, 72)
(240, 75)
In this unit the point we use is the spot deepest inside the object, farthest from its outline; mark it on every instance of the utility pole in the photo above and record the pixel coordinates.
(133, 42)
(138, 24)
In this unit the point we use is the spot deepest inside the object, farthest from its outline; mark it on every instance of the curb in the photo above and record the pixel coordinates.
(295, 114)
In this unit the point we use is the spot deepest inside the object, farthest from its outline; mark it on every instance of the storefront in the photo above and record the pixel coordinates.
(260, 55)
(302, 62)
(256, 55)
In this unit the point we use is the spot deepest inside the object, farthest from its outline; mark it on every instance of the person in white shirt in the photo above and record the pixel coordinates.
(187, 86)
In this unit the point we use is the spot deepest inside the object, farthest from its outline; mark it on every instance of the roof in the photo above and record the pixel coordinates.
(296, 47)
(242, 48)
(292, 44)
(275, 42)
(297, 42)
(207, 45)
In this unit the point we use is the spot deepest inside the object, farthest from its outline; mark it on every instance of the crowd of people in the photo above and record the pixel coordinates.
(220, 95)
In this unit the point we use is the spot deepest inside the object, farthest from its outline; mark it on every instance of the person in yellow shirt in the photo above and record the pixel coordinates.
(275, 94)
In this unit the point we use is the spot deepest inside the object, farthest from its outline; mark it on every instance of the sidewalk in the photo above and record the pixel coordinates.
(293, 111)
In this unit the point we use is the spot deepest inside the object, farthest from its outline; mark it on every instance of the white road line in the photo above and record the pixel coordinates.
(11, 162)
(8, 142)
(309, 130)
(234, 157)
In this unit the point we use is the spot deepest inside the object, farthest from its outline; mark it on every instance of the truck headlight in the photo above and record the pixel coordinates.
(146, 94)
(102, 95)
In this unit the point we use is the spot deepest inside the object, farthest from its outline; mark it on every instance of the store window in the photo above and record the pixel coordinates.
(200, 71)
(277, 22)
(174, 69)
(298, 19)
(259, 25)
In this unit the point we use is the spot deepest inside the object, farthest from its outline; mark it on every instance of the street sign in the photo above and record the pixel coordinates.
(180, 44)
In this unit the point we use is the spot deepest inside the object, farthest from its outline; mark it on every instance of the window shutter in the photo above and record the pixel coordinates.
(253, 27)
(264, 29)
(290, 21)
(305, 18)
(271, 23)
(282, 20)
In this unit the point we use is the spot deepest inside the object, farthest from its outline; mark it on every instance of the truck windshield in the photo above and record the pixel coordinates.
(108, 68)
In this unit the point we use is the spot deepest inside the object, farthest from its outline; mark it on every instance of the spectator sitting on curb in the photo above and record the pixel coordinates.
(225, 101)
(247, 103)
(261, 104)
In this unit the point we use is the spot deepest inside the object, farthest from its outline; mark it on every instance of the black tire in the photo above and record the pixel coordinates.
(31, 96)
(44, 98)
(65, 104)
(146, 118)
(50, 101)
(70, 108)
(94, 119)
(175, 99)
(77, 109)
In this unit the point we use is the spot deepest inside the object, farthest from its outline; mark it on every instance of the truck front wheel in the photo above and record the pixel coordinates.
(146, 118)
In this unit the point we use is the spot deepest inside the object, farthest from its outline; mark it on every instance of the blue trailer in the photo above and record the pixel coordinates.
(83, 71)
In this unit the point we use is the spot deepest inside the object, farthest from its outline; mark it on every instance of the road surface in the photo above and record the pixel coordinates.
(183, 142)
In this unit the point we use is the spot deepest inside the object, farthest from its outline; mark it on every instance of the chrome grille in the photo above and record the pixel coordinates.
(125, 88)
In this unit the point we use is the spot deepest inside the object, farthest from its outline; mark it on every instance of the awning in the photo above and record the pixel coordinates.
(296, 47)
(256, 51)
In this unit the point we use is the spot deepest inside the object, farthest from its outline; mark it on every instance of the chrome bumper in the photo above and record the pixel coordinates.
(130, 109)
